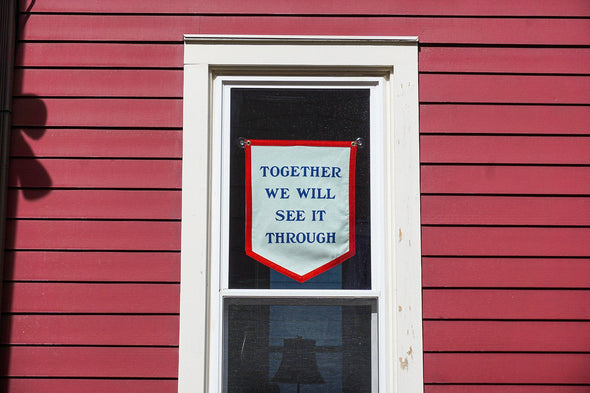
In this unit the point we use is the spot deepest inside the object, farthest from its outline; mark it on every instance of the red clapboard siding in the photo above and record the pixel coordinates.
(99, 55)
(92, 362)
(505, 389)
(506, 304)
(506, 272)
(527, 89)
(504, 210)
(434, 118)
(499, 59)
(92, 266)
(370, 7)
(93, 235)
(432, 59)
(518, 119)
(490, 179)
(504, 149)
(96, 173)
(429, 30)
(506, 368)
(49, 385)
(116, 28)
(98, 83)
(552, 31)
(506, 241)
(506, 336)
(90, 298)
(97, 204)
(39, 142)
(90, 330)
(71, 112)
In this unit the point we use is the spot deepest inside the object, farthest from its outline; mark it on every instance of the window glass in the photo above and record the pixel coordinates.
(330, 114)
(273, 345)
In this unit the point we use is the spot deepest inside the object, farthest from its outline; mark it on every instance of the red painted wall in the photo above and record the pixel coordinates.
(91, 301)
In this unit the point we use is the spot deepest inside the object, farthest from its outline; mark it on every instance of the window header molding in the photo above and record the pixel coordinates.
(300, 51)
(300, 40)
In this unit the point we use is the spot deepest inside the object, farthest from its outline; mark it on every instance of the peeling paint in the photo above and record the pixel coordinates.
(403, 363)
(399, 308)
(411, 352)
(400, 234)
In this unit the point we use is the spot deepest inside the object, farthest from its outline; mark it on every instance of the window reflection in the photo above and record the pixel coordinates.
(259, 342)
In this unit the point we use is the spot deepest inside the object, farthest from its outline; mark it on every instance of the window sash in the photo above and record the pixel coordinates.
(221, 98)
(222, 86)
(363, 332)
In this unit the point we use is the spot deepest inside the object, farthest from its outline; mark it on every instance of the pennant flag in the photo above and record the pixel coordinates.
(300, 205)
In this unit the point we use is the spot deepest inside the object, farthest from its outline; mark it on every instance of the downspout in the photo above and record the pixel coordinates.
(8, 13)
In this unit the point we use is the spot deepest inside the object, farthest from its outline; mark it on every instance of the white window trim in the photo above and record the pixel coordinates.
(394, 57)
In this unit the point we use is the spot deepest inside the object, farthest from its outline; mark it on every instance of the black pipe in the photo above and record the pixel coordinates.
(8, 13)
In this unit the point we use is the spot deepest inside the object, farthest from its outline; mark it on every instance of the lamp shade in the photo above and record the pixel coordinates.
(299, 364)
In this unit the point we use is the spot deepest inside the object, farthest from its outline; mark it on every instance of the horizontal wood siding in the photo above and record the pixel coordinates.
(85, 143)
(432, 58)
(523, 368)
(92, 266)
(94, 173)
(505, 215)
(98, 204)
(505, 210)
(119, 298)
(95, 362)
(91, 300)
(505, 272)
(554, 336)
(124, 329)
(488, 119)
(344, 7)
(469, 388)
(505, 179)
(94, 235)
(88, 266)
(431, 30)
(89, 385)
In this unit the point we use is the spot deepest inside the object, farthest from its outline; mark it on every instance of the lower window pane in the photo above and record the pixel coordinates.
(299, 345)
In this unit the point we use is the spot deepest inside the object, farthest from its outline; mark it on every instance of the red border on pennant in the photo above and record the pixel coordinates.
(351, 204)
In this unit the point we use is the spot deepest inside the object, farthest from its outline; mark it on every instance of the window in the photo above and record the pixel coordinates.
(292, 143)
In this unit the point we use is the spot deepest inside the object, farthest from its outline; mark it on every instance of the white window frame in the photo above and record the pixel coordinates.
(394, 61)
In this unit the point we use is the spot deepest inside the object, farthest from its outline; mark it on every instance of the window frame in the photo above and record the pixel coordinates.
(394, 59)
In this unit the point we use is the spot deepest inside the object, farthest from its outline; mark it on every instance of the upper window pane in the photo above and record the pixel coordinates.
(281, 113)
